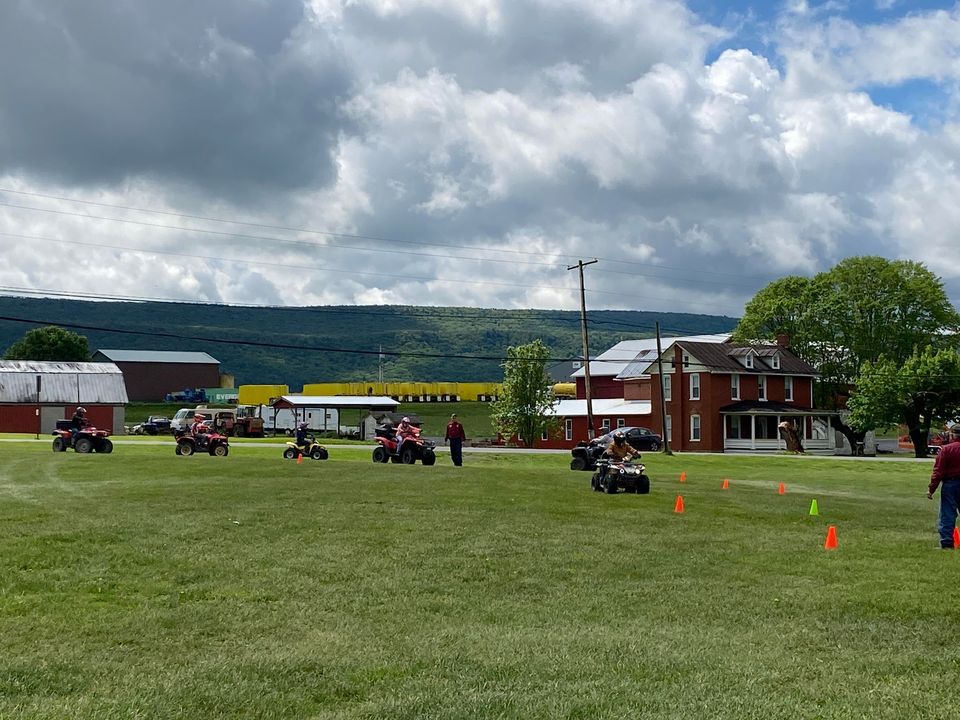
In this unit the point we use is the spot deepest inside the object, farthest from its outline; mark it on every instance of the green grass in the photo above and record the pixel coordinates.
(145, 585)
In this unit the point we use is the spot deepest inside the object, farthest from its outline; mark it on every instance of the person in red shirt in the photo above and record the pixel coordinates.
(455, 436)
(946, 474)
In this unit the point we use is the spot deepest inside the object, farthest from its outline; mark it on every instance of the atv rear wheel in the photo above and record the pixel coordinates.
(428, 457)
(83, 445)
(289, 454)
(59, 445)
(380, 454)
(185, 449)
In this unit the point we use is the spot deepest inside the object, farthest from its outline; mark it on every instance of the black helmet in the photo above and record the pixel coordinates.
(81, 410)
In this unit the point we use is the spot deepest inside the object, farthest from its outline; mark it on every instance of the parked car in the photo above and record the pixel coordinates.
(153, 425)
(586, 454)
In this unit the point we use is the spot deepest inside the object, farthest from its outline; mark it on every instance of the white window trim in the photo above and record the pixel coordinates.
(699, 428)
(667, 388)
(748, 361)
(788, 385)
(568, 428)
(775, 362)
(668, 421)
(605, 425)
(762, 383)
(694, 385)
(621, 422)
(734, 391)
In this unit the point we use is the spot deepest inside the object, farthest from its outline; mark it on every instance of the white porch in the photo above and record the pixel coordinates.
(758, 431)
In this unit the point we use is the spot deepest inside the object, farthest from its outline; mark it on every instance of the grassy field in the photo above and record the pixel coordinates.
(143, 585)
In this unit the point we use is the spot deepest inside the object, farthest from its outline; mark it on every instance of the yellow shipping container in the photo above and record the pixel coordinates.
(260, 394)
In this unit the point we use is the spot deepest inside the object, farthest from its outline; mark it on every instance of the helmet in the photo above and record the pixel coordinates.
(619, 438)
(302, 426)
(198, 416)
(405, 419)
(81, 410)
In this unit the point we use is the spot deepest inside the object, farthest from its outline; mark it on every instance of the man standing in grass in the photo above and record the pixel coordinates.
(455, 436)
(946, 474)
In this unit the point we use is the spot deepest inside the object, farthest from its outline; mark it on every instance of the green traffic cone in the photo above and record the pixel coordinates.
(814, 510)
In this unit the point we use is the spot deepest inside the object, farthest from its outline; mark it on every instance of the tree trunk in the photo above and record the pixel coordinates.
(854, 437)
(919, 437)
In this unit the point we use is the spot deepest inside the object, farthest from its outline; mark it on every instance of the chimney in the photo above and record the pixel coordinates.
(783, 340)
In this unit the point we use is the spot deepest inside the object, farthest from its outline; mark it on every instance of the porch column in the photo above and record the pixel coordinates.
(753, 432)
(779, 434)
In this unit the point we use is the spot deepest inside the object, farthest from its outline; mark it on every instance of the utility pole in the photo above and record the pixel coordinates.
(586, 346)
(663, 402)
(380, 366)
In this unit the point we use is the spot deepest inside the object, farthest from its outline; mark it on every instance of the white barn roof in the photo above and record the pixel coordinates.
(61, 382)
(158, 356)
(601, 406)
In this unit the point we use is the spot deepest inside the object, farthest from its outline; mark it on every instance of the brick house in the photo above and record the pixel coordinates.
(728, 396)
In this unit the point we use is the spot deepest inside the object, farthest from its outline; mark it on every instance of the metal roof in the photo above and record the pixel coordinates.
(336, 401)
(601, 406)
(158, 356)
(615, 360)
(61, 382)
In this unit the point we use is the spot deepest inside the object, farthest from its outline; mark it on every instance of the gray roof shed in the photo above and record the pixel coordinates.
(157, 356)
(61, 382)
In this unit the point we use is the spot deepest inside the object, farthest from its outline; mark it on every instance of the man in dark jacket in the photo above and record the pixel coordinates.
(455, 436)
(946, 474)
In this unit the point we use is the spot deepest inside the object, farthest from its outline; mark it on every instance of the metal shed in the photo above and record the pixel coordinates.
(34, 395)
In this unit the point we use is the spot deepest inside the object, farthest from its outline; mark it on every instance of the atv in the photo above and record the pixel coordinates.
(312, 449)
(212, 443)
(89, 439)
(612, 476)
(414, 447)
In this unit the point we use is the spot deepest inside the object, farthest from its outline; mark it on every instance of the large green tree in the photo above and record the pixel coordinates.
(525, 396)
(862, 309)
(921, 393)
(50, 343)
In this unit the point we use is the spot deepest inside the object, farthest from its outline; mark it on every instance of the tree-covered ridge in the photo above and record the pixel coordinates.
(293, 345)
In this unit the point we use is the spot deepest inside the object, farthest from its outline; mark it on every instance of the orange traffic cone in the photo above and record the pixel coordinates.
(782, 489)
(726, 484)
(831, 542)
(683, 476)
(678, 508)
(956, 537)
(299, 458)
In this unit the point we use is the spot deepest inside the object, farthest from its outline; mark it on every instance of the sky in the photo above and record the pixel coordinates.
(469, 152)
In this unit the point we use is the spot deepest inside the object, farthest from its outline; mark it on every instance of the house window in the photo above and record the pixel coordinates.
(775, 362)
(668, 422)
(734, 387)
(739, 427)
(543, 436)
(767, 427)
(694, 386)
(568, 428)
(621, 422)
(748, 361)
(605, 425)
(694, 428)
(761, 387)
(788, 388)
(667, 388)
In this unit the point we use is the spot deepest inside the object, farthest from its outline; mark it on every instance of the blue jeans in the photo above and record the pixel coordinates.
(949, 501)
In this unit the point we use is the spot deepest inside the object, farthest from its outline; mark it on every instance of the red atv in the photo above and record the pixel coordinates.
(89, 439)
(213, 443)
(414, 447)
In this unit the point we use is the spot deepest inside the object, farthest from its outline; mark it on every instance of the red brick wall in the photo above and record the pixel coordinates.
(604, 386)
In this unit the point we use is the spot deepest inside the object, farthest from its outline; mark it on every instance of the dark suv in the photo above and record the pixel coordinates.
(586, 454)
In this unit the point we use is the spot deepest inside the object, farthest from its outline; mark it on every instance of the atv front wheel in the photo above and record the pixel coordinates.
(289, 454)
(83, 445)
(319, 453)
(428, 458)
(407, 457)
(105, 447)
(219, 450)
(578, 463)
(643, 485)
